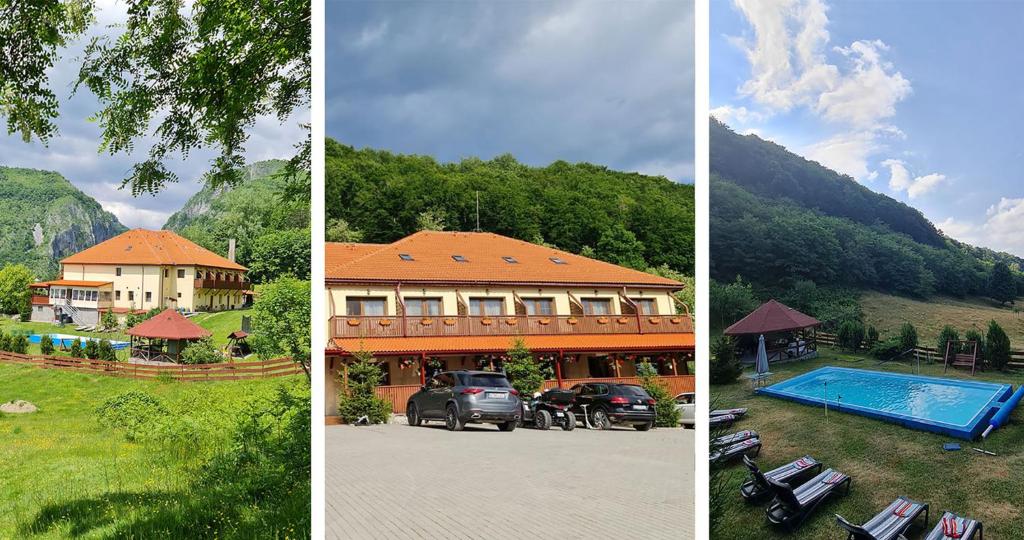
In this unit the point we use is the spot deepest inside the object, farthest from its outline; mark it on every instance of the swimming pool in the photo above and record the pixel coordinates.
(66, 340)
(953, 407)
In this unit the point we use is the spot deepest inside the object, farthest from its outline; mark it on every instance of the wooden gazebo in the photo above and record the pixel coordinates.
(789, 334)
(163, 337)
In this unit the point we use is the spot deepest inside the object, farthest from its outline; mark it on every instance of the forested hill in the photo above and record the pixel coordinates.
(44, 218)
(778, 219)
(626, 218)
(272, 233)
(769, 170)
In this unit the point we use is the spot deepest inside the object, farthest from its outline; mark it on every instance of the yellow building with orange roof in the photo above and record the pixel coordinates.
(436, 301)
(137, 271)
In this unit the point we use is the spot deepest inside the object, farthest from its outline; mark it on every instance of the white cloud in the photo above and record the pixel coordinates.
(1003, 228)
(900, 179)
(869, 92)
(135, 218)
(737, 116)
(847, 153)
(855, 96)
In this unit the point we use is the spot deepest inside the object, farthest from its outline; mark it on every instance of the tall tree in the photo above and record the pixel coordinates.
(200, 71)
(14, 291)
(280, 322)
(1002, 286)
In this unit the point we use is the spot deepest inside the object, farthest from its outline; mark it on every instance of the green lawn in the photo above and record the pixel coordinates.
(64, 475)
(885, 460)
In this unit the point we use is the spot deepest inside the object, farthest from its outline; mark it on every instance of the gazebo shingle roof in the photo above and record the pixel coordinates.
(771, 317)
(171, 325)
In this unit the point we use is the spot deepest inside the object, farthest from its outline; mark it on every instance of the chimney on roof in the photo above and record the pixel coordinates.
(231, 250)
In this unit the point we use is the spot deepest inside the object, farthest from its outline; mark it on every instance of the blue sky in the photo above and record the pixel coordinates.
(74, 152)
(606, 82)
(919, 100)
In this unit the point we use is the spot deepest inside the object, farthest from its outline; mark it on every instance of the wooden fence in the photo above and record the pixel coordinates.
(399, 395)
(226, 371)
(928, 354)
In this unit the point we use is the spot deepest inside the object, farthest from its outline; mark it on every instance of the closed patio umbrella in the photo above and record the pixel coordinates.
(761, 367)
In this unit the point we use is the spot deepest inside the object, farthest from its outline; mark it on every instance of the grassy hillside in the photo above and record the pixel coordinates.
(44, 218)
(887, 312)
(65, 475)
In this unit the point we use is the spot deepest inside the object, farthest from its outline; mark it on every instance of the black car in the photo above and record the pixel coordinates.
(461, 397)
(605, 404)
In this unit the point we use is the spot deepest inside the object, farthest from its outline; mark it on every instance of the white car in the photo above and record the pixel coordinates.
(686, 405)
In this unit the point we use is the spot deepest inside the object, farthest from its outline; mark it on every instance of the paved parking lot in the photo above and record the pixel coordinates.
(397, 481)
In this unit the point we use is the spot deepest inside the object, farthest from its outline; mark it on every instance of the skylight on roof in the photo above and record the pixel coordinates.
(510, 260)
(405, 257)
(557, 260)
(459, 258)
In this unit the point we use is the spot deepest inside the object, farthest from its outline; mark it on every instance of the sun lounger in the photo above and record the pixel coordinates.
(724, 412)
(889, 524)
(733, 438)
(724, 420)
(792, 506)
(954, 527)
(80, 328)
(748, 447)
(757, 486)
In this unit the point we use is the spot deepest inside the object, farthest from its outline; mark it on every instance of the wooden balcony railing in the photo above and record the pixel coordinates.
(40, 300)
(507, 325)
(222, 284)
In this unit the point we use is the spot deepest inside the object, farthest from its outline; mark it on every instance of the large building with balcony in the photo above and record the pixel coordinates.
(454, 300)
(137, 271)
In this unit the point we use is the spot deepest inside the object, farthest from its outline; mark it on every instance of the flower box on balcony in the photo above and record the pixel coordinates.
(486, 321)
(426, 322)
(622, 320)
(511, 321)
(572, 320)
(602, 320)
(354, 322)
(544, 321)
(385, 322)
(450, 322)
(655, 320)
(675, 320)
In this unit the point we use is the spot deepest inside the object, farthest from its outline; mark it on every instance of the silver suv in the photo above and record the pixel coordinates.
(461, 397)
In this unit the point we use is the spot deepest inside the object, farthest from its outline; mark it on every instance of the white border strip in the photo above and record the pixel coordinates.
(318, 330)
(701, 274)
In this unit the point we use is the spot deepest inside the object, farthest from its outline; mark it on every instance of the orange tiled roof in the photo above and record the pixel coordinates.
(483, 344)
(432, 261)
(338, 253)
(169, 324)
(69, 283)
(141, 246)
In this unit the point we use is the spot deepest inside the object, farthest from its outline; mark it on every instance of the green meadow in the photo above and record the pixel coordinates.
(215, 460)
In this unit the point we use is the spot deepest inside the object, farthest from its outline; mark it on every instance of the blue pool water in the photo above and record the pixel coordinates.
(67, 340)
(951, 406)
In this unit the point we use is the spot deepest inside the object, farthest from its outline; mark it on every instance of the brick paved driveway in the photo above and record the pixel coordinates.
(397, 481)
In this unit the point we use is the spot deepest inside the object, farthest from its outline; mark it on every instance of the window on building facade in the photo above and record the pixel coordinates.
(486, 306)
(149, 296)
(117, 295)
(423, 306)
(597, 306)
(117, 271)
(131, 296)
(646, 306)
(366, 306)
(539, 306)
(181, 273)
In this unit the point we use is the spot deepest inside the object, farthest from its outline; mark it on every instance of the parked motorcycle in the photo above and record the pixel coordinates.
(548, 408)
